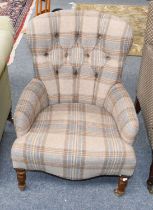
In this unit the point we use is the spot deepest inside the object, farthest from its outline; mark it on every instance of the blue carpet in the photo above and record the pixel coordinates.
(46, 192)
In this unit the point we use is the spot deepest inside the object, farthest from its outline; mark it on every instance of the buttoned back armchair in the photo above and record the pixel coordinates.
(75, 119)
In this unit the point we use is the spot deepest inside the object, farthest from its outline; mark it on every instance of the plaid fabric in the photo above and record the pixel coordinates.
(145, 82)
(75, 50)
(70, 121)
(33, 99)
(121, 106)
(74, 141)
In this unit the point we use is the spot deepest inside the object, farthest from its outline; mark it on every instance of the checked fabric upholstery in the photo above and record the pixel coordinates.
(145, 82)
(75, 119)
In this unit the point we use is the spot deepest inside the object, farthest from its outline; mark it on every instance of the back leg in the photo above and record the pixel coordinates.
(137, 106)
(10, 117)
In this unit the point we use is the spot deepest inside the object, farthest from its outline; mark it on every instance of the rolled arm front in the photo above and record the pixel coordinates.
(120, 105)
(32, 101)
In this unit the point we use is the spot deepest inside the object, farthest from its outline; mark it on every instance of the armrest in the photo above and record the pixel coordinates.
(6, 41)
(119, 104)
(32, 101)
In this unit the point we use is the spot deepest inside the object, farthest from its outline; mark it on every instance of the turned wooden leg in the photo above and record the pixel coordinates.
(122, 183)
(137, 106)
(150, 179)
(10, 118)
(21, 177)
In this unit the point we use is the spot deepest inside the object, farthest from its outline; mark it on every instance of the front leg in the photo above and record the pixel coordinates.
(21, 177)
(150, 179)
(10, 117)
(122, 183)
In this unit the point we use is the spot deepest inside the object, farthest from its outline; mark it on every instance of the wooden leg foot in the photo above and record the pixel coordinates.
(122, 183)
(150, 179)
(10, 118)
(137, 106)
(21, 177)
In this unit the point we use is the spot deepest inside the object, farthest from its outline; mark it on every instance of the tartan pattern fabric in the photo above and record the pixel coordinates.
(74, 141)
(149, 29)
(145, 90)
(76, 50)
(145, 81)
(32, 101)
(119, 104)
(76, 120)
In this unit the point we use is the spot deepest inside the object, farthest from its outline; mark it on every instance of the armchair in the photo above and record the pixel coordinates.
(144, 100)
(75, 119)
(6, 44)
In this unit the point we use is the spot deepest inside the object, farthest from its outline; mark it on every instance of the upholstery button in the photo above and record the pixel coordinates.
(87, 55)
(75, 72)
(108, 57)
(77, 34)
(56, 72)
(46, 54)
(96, 75)
(66, 55)
(99, 36)
(56, 35)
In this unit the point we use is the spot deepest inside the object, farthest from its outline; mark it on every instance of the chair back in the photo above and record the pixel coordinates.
(78, 54)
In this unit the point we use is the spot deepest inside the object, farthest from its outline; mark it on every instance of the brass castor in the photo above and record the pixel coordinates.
(122, 183)
(21, 177)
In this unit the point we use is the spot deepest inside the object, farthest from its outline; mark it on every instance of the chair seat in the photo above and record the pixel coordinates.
(74, 141)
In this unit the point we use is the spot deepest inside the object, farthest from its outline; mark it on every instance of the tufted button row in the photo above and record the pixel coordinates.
(66, 54)
(77, 34)
(99, 36)
(75, 72)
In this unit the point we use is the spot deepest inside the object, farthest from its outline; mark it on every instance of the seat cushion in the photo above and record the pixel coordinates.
(74, 141)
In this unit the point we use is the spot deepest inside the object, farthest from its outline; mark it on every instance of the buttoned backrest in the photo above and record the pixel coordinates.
(78, 55)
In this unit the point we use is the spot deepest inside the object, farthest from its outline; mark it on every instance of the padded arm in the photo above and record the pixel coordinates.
(6, 41)
(119, 104)
(32, 101)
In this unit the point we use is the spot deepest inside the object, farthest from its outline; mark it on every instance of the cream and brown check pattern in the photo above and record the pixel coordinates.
(75, 119)
(145, 82)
